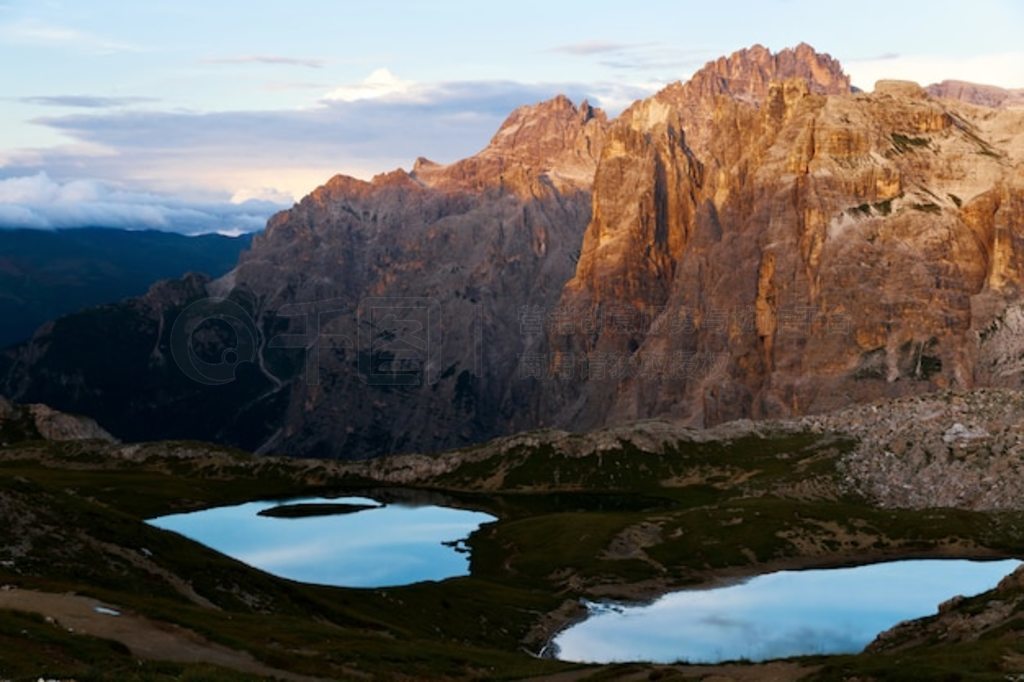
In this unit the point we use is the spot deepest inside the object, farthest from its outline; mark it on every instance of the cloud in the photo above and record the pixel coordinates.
(37, 201)
(672, 62)
(1003, 69)
(268, 195)
(362, 129)
(380, 83)
(40, 34)
(591, 47)
(271, 59)
(284, 86)
(85, 101)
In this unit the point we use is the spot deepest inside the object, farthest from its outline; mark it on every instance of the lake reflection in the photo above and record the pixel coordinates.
(384, 546)
(776, 615)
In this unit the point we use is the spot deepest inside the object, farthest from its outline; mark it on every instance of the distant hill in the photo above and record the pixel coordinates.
(46, 274)
(977, 93)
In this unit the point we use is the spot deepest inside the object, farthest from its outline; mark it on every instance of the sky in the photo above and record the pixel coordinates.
(207, 116)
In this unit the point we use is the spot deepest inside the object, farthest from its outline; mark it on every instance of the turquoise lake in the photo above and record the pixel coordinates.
(776, 615)
(388, 545)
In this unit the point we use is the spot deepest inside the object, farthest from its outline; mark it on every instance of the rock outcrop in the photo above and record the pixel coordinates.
(31, 422)
(961, 620)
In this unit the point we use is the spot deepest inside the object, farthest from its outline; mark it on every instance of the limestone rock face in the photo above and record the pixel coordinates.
(792, 253)
(663, 161)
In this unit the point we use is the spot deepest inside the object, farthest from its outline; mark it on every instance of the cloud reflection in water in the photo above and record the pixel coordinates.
(788, 613)
(390, 545)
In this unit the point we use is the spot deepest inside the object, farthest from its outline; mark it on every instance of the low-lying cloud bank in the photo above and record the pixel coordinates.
(39, 202)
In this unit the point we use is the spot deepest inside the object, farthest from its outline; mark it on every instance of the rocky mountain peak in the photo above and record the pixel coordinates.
(553, 141)
(587, 111)
(396, 178)
(346, 186)
(423, 164)
(540, 131)
(747, 74)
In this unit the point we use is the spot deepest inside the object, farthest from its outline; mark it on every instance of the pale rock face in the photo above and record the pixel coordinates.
(821, 249)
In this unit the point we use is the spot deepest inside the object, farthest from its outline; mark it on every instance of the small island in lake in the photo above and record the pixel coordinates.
(301, 510)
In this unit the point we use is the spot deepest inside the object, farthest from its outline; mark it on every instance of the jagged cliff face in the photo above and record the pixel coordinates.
(662, 160)
(759, 241)
(430, 268)
(803, 252)
(469, 245)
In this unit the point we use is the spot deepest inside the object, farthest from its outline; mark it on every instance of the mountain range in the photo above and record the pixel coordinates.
(48, 273)
(762, 241)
